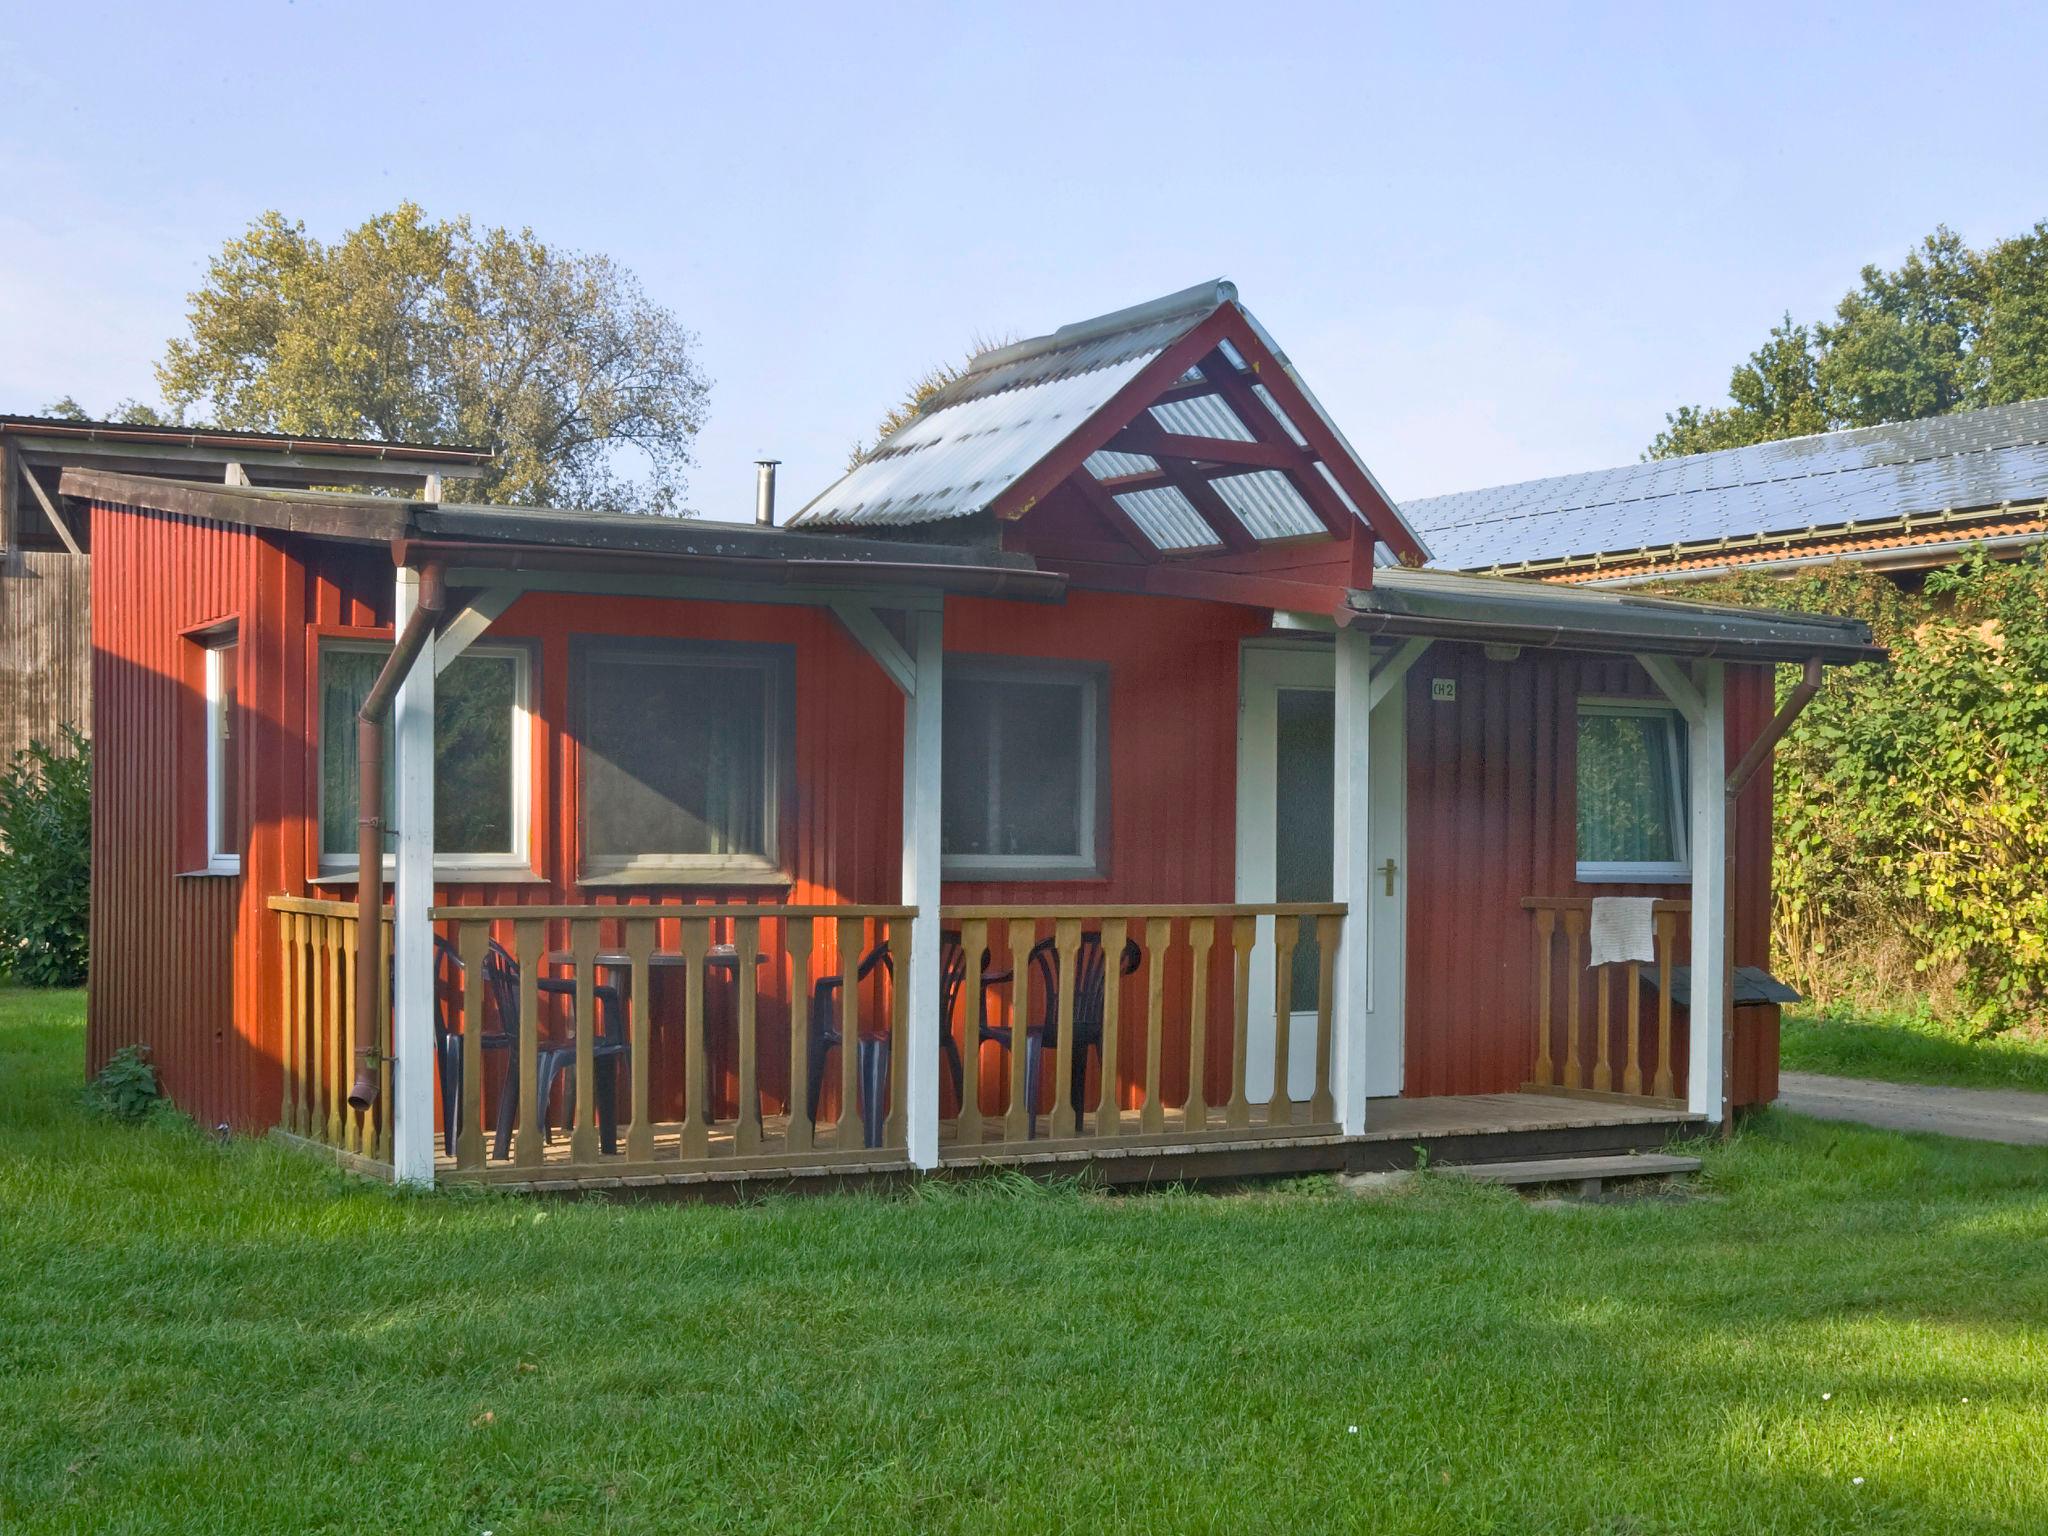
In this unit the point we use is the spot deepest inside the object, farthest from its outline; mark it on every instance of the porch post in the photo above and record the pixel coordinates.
(1709, 828)
(412, 942)
(921, 751)
(1351, 876)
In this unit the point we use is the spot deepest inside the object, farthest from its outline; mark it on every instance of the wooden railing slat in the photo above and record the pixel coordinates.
(473, 943)
(1067, 948)
(1201, 938)
(1603, 1075)
(899, 935)
(526, 1147)
(746, 943)
(1322, 1104)
(1286, 933)
(798, 938)
(696, 1127)
(640, 935)
(1017, 1125)
(1632, 1074)
(1667, 938)
(847, 1135)
(1108, 1111)
(583, 1141)
(1243, 935)
(1546, 928)
(967, 1124)
(1575, 946)
(336, 1064)
(1158, 936)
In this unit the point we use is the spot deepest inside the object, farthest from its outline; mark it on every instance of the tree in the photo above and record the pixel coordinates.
(129, 413)
(414, 329)
(1775, 394)
(1950, 329)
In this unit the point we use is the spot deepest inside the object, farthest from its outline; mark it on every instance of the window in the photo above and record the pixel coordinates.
(1026, 771)
(1631, 792)
(482, 743)
(684, 752)
(223, 759)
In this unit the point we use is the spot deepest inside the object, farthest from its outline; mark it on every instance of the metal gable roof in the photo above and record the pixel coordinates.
(1968, 460)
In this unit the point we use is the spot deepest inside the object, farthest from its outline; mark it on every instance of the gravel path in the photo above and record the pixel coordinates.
(1978, 1114)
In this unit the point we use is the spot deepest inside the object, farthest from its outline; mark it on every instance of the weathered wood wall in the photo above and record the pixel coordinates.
(45, 646)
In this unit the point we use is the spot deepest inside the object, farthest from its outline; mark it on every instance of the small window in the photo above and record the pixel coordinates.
(1025, 775)
(482, 743)
(683, 757)
(223, 759)
(1632, 800)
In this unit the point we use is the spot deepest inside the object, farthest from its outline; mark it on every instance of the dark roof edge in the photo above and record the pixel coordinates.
(1542, 615)
(210, 437)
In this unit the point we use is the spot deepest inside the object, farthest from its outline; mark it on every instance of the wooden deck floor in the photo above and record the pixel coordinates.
(1464, 1128)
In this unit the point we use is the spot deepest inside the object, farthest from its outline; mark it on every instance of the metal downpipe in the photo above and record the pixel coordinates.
(370, 719)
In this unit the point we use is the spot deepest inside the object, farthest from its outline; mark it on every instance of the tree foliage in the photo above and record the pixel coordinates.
(1912, 800)
(46, 862)
(1950, 328)
(423, 330)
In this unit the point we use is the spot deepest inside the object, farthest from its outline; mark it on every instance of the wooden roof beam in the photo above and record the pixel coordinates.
(1156, 442)
(1245, 403)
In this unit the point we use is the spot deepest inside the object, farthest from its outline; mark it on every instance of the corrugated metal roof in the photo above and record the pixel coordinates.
(1971, 459)
(1015, 405)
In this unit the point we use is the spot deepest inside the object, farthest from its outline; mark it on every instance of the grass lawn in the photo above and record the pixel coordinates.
(230, 1338)
(1908, 1047)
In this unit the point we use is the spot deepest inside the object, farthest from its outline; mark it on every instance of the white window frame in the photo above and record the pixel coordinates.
(1091, 862)
(1645, 872)
(223, 843)
(520, 858)
(774, 667)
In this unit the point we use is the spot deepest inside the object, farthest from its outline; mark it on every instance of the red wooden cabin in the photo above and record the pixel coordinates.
(1116, 650)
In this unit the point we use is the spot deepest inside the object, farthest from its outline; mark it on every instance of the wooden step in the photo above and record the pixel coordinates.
(1591, 1174)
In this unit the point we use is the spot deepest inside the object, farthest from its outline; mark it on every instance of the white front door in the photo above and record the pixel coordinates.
(1286, 754)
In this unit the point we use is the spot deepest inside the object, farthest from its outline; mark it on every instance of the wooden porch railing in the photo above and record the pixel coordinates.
(317, 980)
(803, 945)
(1177, 1022)
(1566, 918)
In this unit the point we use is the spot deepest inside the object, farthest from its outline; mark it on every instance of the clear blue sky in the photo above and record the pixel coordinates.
(1498, 243)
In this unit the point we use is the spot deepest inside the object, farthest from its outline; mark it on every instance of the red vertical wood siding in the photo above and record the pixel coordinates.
(187, 963)
(1492, 817)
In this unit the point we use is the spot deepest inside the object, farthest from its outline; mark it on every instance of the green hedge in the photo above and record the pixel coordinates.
(1912, 800)
(46, 862)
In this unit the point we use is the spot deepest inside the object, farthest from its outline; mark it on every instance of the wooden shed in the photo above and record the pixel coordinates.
(1094, 761)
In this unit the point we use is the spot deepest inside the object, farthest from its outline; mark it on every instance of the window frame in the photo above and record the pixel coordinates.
(1678, 739)
(219, 651)
(520, 859)
(1091, 862)
(776, 664)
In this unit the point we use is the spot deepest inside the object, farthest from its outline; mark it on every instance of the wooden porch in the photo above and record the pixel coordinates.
(695, 1048)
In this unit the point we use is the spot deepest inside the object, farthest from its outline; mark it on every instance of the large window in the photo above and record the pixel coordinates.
(1631, 792)
(684, 750)
(223, 758)
(482, 742)
(1025, 783)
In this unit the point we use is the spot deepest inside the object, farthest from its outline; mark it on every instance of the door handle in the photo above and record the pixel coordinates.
(1386, 872)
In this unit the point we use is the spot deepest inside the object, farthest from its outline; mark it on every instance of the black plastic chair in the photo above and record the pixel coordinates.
(1044, 1035)
(448, 980)
(557, 1058)
(875, 1050)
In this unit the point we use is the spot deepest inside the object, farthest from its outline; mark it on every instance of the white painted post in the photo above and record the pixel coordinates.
(1709, 893)
(921, 752)
(1351, 877)
(414, 1122)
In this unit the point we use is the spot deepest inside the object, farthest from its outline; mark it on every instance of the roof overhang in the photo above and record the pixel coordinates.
(1540, 615)
(551, 549)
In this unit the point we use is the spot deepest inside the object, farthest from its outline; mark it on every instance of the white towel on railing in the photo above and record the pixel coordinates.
(1622, 929)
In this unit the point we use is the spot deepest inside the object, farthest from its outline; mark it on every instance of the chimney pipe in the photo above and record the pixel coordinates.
(764, 491)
